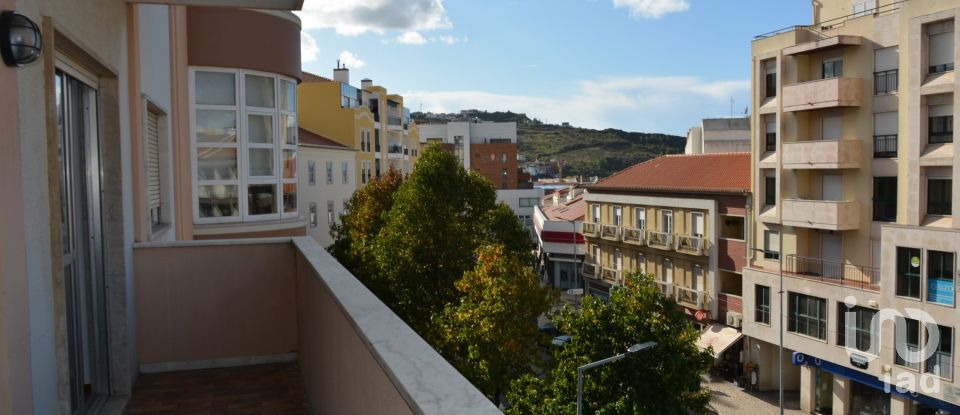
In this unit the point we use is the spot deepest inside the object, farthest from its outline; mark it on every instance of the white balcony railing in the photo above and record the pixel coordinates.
(633, 236)
(685, 296)
(660, 240)
(590, 268)
(590, 228)
(610, 232)
(690, 244)
(611, 274)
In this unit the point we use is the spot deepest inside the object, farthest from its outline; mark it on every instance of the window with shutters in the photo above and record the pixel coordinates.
(940, 46)
(153, 131)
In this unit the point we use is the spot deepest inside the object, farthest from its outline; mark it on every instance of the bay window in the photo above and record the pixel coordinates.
(244, 131)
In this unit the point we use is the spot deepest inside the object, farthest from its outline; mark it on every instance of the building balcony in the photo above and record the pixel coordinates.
(634, 236)
(836, 273)
(728, 303)
(826, 154)
(821, 214)
(590, 228)
(660, 240)
(823, 93)
(610, 232)
(689, 244)
(611, 275)
(687, 297)
(279, 321)
(590, 269)
(822, 45)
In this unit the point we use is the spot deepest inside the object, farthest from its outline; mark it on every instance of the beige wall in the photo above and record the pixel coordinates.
(214, 302)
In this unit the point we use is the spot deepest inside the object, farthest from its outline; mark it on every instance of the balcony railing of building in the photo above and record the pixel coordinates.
(634, 236)
(660, 240)
(684, 296)
(610, 274)
(203, 304)
(590, 269)
(394, 120)
(839, 273)
(610, 232)
(590, 228)
(395, 148)
(886, 82)
(836, 22)
(885, 146)
(691, 244)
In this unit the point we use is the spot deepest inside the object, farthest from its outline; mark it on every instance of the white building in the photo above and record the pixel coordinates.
(560, 243)
(719, 135)
(327, 181)
(465, 135)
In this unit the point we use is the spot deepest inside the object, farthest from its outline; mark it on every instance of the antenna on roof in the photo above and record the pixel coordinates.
(338, 63)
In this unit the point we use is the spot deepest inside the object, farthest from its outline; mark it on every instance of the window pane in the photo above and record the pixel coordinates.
(260, 128)
(216, 163)
(288, 130)
(289, 198)
(218, 201)
(290, 165)
(262, 199)
(261, 162)
(215, 126)
(940, 277)
(908, 272)
(288, 96)
(216, 88)
(260, 91)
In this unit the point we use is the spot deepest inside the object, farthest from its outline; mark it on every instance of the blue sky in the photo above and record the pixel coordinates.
(637, 65)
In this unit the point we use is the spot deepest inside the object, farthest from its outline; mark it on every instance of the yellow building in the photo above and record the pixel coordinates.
(852, 166)
(367, 119)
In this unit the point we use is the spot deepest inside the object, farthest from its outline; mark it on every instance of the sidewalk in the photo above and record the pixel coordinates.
(728, 399)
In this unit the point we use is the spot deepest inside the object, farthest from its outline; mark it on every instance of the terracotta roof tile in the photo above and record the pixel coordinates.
(688, 173)
(575, 209)
(308, 137)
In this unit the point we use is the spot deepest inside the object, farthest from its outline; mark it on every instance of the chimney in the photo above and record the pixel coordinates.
(366, 83)
(341, 73)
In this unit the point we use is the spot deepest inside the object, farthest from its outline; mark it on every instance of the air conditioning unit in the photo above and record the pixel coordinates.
(734, 319)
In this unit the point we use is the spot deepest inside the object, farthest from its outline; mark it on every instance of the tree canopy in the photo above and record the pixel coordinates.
(662, 380)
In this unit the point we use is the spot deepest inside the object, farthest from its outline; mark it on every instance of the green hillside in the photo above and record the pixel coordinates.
(587, 152)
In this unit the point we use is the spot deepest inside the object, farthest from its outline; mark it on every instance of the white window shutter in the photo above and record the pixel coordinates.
(153, 163)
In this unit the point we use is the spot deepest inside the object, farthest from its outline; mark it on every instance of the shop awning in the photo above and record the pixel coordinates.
(720, 337)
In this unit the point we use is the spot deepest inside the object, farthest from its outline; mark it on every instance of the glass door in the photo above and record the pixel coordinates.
(81, 241)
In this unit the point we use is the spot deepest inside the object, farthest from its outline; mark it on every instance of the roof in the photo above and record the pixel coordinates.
(310, 77)
(311, 138)
(684, 173)
(575, 209)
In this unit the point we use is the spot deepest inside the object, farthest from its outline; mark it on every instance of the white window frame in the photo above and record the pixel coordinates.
(617, 215)
(642, 263)
(703, 223)
(666, 218)
(345, 172)
(312, 172)
(641, 217)
(328, 166)
(595, 211)
(242, 147)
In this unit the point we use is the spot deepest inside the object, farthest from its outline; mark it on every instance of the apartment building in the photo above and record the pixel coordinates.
(719, 135)
(351, 116)
(560, 243)
(328, 180)
(682, 218)
(136, 128)
(853, 165)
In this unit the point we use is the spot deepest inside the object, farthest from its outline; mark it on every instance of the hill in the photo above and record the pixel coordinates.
(587, 152)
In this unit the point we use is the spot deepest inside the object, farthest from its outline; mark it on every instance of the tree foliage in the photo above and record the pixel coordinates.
(662, 380)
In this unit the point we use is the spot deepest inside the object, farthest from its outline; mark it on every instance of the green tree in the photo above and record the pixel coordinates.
(662, 380)
(491, 335)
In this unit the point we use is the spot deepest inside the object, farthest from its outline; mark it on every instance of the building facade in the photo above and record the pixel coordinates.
(558, 227)
(853, 166)
(327, 181)
(719, 135)
(489, 148)
(683, 219)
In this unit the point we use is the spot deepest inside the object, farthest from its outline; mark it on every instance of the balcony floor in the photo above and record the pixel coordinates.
(259, 389)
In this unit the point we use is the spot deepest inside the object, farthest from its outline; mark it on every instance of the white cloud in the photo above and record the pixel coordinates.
(308, 47)
(650, 104)
(356, 17)
(351, 61)
(448, 40)
(652, 9)
(411, 38)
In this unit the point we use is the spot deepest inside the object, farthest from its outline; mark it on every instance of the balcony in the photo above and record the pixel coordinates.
(821, 214)
(885, 146)
(610, 232)
(826, 154)
(822, 45)
(634, 236)
(687, 297)
(838, 273)
(693, 245)
(728, 303)
(590, 228)
(590, 268)
(279, 317)
(610, 275)
(660, 240)
(823, 93)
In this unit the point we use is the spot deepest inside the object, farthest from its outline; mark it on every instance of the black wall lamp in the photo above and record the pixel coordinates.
(20, 40)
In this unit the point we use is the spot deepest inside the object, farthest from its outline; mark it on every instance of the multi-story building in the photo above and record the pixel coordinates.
(351, 116)
(328, 180)
(719, 135)
(560, 242)
(136, 128)
(853, 165)
(682, 218)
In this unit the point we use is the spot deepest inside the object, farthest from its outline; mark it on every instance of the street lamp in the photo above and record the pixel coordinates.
(780, 259)
(631, 350)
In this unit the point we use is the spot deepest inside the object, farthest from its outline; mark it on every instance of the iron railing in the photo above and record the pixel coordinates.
(885, 146)
(885, 82)
(834, 272)
(610, 274)
(611, 232)
(836, 22)
(690, 244)
(885, 210)
(633, 236)
(661, 240)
